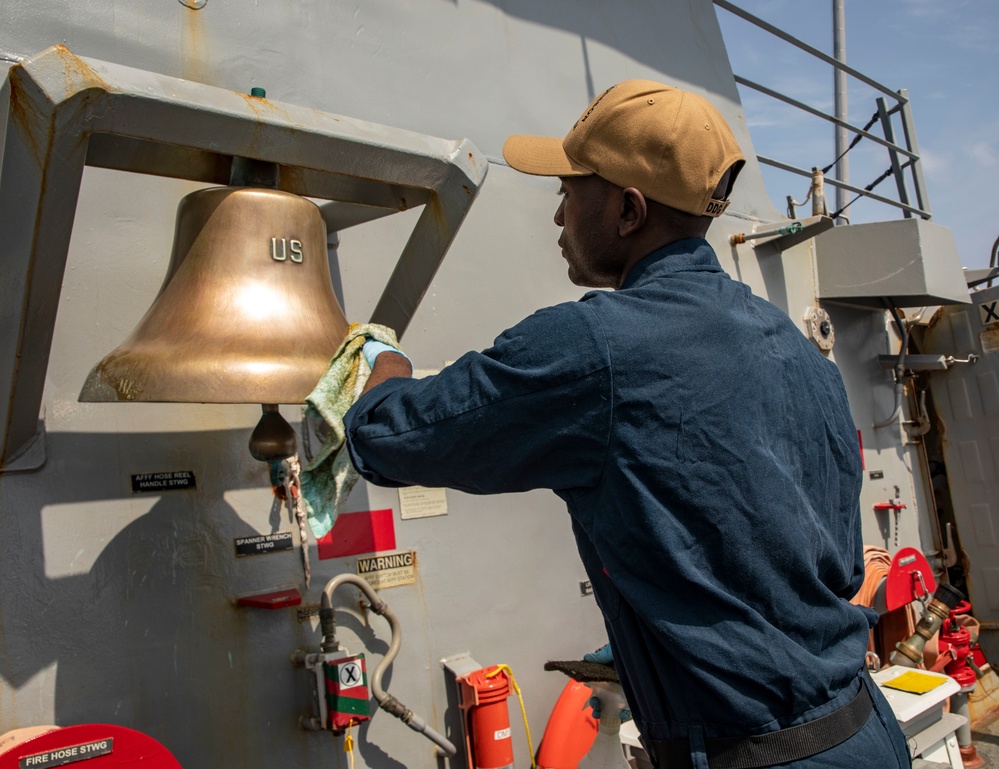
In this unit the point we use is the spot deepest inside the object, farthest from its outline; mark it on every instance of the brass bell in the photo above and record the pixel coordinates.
(246, 313)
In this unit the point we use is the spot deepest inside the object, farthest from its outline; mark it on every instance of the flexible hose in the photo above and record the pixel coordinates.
(386, 701)
(899, 368)
(923, 424)
(417, 724)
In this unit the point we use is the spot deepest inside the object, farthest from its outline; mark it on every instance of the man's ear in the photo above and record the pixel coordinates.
(634, 212)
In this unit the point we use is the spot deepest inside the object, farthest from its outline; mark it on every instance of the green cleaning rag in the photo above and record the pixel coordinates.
(328, 479)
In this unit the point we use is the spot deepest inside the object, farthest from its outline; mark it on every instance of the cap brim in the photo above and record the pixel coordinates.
(541, 156)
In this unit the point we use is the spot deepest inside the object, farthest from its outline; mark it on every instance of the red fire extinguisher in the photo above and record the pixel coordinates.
(484, 693)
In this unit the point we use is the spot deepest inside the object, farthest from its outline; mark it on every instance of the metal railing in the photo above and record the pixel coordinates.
(901, 158)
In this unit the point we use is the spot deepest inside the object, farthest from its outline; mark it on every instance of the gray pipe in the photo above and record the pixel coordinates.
(839, 82)
(903, 332)
(386, 701)
(959, 706)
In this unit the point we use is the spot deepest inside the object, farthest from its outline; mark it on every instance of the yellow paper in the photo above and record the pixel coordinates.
(914, 682)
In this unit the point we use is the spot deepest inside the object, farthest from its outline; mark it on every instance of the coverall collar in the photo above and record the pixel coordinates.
(689, 254)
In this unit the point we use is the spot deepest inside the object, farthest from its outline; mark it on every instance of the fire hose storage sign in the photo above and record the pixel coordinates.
(68, 754)
(388, 570)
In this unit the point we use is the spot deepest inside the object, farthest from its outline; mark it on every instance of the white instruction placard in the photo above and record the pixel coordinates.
(421, 502)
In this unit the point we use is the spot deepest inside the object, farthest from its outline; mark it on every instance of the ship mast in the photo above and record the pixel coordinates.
(839, 83)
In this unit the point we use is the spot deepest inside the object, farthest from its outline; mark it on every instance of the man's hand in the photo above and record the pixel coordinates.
(602, 656)
(386, 362)
(594, 703)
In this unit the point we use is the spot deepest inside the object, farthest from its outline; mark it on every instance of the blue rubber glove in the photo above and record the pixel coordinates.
(373, 348)
(603, 656)
(594, 703)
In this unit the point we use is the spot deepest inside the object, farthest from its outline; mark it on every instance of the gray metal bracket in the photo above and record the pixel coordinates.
(896, 166)
(60, 112)
(457, 666)
(909, 132)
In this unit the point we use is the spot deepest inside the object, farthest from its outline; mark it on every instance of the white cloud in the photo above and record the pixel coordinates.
(983, 154)
(933, 9)
(935, 165)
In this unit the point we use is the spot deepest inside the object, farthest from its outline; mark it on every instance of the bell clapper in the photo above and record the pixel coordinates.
(273, 439)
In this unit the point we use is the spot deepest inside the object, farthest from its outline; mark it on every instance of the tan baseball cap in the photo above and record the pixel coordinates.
(670, 144)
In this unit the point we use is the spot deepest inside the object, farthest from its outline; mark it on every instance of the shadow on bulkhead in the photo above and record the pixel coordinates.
(144, 633)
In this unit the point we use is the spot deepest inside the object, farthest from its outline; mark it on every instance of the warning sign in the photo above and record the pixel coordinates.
(388, 570)
(68, 754)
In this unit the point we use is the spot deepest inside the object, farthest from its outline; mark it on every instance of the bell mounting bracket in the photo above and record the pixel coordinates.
(60, 112)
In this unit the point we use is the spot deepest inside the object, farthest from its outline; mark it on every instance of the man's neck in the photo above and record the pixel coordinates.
(650, 245)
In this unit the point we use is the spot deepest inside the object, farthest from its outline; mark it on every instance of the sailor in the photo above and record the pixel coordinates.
(703, 446)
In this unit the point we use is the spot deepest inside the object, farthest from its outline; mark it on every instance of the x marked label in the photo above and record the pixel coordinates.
(350, 675)
(989, 312)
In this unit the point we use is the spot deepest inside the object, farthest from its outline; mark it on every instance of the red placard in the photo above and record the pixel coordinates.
(372, 531)
(98, 745)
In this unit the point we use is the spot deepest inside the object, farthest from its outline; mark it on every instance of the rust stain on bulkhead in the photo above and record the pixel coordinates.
(989, 339)
(196, 66)
(26, 116)
(35, 117)
(292, 179)
(194, 52)
(266, 113)
(437, 210)
(36, 120)
(78, 74)
(262, 106)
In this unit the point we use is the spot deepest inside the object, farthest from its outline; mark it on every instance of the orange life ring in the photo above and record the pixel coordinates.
(571, 729)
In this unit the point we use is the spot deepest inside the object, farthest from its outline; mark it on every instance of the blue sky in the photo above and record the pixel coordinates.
(943, 51)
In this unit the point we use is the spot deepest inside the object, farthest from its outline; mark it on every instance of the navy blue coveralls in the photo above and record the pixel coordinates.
(707, 455)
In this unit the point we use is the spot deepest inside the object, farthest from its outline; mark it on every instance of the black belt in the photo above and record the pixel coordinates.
(771, 748)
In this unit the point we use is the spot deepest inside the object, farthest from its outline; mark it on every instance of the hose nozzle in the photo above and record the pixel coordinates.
(909, 653)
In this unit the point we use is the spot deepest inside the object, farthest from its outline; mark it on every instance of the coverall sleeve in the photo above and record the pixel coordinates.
(532, 411)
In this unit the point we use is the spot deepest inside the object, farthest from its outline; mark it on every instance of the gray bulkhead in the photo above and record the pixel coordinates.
(119, 607)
